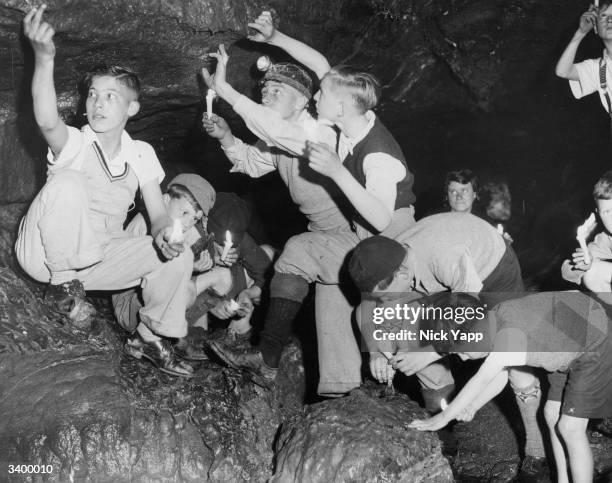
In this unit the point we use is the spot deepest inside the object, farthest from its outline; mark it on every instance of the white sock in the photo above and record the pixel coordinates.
(146, 334)
(62, 276)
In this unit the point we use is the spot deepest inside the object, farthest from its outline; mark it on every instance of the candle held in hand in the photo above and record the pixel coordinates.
(177, 235)
(226, 245)
(583, 232)
(210, 95)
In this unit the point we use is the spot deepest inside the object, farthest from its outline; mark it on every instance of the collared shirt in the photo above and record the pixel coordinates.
(138, 154)
(589, 82)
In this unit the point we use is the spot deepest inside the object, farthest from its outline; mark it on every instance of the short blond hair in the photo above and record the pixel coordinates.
(363, 87)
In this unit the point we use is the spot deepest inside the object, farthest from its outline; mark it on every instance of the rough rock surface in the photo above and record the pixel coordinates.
(361, 437)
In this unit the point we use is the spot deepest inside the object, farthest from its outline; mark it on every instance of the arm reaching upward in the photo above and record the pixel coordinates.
(565, 66)
(266, 32)
(40, 34)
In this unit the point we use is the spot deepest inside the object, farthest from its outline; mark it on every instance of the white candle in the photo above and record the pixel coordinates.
(210, 95)
(443, 404)
(583, 232)
(500, 228)
(596, 3)
(177, 235)
(227, 245)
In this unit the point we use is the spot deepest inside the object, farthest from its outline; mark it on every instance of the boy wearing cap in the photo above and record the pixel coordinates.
(376, 183)
(455, 252)
(188, 198)
(72, 236)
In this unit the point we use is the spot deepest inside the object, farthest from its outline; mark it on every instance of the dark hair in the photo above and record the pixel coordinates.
(124, 76)
(438, 305)
(463, 176)
(362, 86)
(177, 191)
(603, 187)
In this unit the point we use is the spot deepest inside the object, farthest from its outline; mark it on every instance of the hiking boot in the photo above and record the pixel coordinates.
(161, 354)
(249, 358)
(533, 470)
(190, 352)
(68, 299)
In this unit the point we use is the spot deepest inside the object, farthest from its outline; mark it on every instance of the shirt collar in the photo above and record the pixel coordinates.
(126, 149)
(350, 143)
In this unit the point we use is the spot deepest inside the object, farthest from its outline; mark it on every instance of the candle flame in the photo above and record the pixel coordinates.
(443, 404)
(228, 237)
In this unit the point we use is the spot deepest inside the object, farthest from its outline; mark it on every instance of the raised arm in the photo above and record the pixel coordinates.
(301, 52)
(565, 66)
(40, 34)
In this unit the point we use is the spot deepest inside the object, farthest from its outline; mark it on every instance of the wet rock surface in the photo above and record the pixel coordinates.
(361, 437)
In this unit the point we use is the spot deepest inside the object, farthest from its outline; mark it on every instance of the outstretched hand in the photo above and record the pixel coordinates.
(217, 80)
(264, 25)
(431, 424)
(39, 33)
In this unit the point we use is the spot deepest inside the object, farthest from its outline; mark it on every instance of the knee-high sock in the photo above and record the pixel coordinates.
(287, 292)
(528, 401)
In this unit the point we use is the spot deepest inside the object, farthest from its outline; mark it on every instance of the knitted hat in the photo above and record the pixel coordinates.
(373, 260)
(291, 74)
(230, 213)
(202, 190)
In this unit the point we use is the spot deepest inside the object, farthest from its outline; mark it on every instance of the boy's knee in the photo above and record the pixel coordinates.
(571, 428)
(223, 281)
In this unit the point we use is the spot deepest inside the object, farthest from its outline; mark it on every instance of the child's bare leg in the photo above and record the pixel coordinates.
(552, 410)
(202, 321)
(599, 277)
(218, 278)
(573, 432)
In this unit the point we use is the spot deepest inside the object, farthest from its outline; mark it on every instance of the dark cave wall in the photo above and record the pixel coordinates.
(434, 57)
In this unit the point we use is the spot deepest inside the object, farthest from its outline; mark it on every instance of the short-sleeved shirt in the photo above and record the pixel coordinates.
(138, 154)
(588, 74)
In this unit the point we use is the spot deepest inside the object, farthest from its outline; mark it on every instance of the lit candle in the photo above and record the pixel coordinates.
(500, 228)
(443, 404)
(177, 235)
(210, 95)
(227, 245)
(583, 232)
(596, 3)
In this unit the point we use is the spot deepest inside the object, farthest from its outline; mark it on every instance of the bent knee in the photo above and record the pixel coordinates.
(599, 276)
(571, 428)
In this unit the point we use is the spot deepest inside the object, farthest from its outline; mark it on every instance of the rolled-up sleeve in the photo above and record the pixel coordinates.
(70, 152)
(588, 74)
(382, 173)
(254, 161)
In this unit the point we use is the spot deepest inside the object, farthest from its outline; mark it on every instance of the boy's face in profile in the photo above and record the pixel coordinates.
(604, 209)
(604, 22)
(109, 104)
(327, 100)
(181, 209)
(281, 98)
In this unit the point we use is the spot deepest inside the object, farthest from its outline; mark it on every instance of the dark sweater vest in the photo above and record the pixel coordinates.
(380, 140)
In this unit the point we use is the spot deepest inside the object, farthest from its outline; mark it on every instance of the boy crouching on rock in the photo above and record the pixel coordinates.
(72, 236)
(565, 333)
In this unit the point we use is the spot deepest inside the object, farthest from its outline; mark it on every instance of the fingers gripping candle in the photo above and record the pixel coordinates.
(227, 245)
(583, 233)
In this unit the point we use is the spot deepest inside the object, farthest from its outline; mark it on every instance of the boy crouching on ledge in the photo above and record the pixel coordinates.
(565, 333)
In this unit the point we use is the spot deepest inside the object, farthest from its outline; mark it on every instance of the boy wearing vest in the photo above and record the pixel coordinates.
(72, 236)
(374, 179)
(565, 333)
(592, 75)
